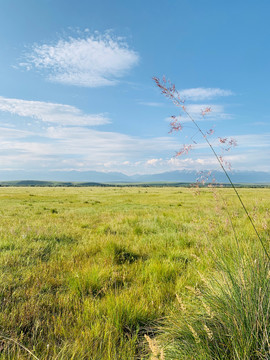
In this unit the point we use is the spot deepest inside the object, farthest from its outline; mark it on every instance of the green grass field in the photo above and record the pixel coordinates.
(87, 272)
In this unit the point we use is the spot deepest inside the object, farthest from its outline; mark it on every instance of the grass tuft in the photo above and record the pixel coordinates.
(121, 255)
(229, 318)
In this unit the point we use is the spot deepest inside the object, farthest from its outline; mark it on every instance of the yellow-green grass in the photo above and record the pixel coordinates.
(86, 272)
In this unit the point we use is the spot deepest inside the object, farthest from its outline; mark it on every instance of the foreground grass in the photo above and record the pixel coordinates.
(87, 272)
(231, 318)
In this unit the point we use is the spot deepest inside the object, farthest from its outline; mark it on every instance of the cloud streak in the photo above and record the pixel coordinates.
(81, 148)
(151, 103)
(97, 60)
(51, 112)
(217, 112)
(199, 94)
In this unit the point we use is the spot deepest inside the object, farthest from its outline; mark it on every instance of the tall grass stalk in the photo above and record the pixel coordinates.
(229, 318)
(171, 93)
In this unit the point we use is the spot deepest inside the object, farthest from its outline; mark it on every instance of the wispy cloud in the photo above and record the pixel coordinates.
(62, 139)
(11, 133)
(152, 104)
(93, 61)
(153, 162)
(105, 145)
(51, 112)
(253, 140)
(181, 163)
(199, 94)
(81, 148)
(260, 123)
(217, 112)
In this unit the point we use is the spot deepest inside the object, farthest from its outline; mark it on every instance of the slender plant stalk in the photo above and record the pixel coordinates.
(170, 93)
(232, 184)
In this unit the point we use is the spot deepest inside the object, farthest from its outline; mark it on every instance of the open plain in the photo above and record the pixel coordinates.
(87, 272)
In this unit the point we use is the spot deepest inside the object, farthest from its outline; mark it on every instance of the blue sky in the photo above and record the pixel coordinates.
(76, 89)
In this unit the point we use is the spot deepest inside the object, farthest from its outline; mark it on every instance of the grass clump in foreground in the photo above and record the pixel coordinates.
(229, 318)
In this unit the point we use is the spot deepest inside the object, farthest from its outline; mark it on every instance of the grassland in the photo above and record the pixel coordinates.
(87, 272)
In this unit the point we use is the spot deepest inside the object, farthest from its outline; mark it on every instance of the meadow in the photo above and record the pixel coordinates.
(86, 273)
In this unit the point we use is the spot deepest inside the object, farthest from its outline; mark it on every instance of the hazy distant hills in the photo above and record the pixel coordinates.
(251, 177)
(191, 176)
(66, 176)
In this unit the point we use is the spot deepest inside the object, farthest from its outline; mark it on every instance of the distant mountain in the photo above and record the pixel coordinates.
(192, 176)
(40, 183)
(66, 176)
(184, 176)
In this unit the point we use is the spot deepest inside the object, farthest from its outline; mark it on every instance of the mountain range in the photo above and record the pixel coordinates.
(181, 176)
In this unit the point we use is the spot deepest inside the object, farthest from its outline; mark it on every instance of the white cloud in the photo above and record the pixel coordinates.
(51, 112)
(253, 140)
(11, 133)
(91, 62)
(54, 144)
(153, 161)
(105, 146)
(152, 104)
(80, 148)
(217, 112)
(192, 163)
(198, 94)
(196, 109)
(87, 149)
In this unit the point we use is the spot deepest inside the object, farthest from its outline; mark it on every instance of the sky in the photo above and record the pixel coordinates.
(76, 89)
